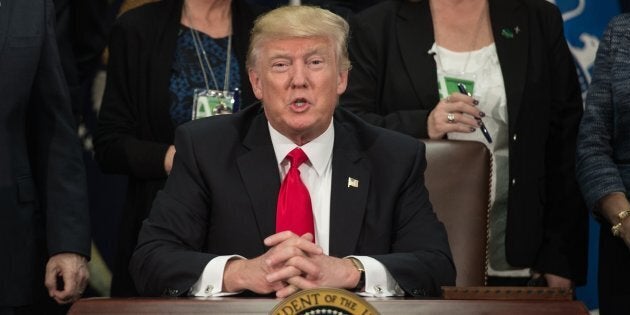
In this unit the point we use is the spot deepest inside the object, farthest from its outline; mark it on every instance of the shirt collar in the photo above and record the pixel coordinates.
(318, 150)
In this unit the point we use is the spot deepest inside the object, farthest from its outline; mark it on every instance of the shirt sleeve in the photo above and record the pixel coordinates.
(378, 281)
(210, 282)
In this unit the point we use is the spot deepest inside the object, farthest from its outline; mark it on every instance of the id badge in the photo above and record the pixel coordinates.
(447, 83)
(208, 103)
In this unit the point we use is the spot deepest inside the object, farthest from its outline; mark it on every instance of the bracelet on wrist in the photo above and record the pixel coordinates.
(616, 229)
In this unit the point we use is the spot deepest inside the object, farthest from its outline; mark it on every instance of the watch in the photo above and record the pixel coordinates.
(357, 264)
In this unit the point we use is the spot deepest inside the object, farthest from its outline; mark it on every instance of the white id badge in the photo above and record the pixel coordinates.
(208, 103)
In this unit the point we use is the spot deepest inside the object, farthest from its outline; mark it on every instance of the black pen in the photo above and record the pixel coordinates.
(482, 126)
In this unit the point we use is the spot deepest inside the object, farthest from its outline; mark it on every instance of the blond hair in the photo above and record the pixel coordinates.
(300, 21)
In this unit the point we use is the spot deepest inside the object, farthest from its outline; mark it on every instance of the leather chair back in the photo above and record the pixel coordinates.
(458, 178)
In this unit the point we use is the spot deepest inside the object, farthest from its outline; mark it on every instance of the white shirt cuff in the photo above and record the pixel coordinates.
(211, 281)
(378, 280)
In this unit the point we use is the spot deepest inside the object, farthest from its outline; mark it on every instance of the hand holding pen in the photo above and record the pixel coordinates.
(482, 126)
(456, 113)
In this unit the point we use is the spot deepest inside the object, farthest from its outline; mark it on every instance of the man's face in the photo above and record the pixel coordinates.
(299, 83)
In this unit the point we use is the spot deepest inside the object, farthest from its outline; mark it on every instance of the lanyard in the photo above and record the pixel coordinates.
(201, 51)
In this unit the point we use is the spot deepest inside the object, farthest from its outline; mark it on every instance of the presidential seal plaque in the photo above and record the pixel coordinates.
(324, 301)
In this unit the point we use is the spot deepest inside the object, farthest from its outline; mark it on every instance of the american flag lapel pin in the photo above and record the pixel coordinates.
(353, 182)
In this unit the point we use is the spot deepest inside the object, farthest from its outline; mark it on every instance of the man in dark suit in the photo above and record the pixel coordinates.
(213, 231)
(44, 225)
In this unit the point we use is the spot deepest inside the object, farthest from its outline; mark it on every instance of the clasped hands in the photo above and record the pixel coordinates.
(290, 264)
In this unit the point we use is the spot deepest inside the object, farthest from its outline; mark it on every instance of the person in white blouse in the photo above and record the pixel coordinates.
(212, 230)
(522, 101)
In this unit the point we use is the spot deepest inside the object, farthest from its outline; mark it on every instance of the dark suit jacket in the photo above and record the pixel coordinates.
(393, 84)
(134, 127)
(43, 201)
(221, 199)
(82, 29)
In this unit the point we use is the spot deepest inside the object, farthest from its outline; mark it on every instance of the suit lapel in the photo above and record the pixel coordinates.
(414, 28)
(510, 29)
(348, 203)
(260, 175)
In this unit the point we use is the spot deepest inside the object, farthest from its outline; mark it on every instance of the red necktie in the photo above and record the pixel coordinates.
(294, 210)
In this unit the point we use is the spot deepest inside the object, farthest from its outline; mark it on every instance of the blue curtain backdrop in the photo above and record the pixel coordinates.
(585, 21)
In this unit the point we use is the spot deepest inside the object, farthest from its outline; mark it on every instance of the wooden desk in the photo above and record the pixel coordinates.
(232, 305)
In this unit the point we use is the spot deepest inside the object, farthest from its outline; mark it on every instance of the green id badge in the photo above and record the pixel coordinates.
(208, 103)
(451, 85)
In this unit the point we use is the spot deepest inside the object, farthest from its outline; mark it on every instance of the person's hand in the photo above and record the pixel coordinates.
(551, 281)
(168, 159)
(625, 231)
(313, 271)
(455, 113)
(610, 206)
(554, 281)
(251, 274)
(71, 269)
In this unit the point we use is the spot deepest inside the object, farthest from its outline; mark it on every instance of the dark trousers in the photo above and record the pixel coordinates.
(613, 274)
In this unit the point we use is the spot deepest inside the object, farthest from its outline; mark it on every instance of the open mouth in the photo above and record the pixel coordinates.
(299, 102)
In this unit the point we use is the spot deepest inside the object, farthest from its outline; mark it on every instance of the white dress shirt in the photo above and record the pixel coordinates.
(316, 173)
